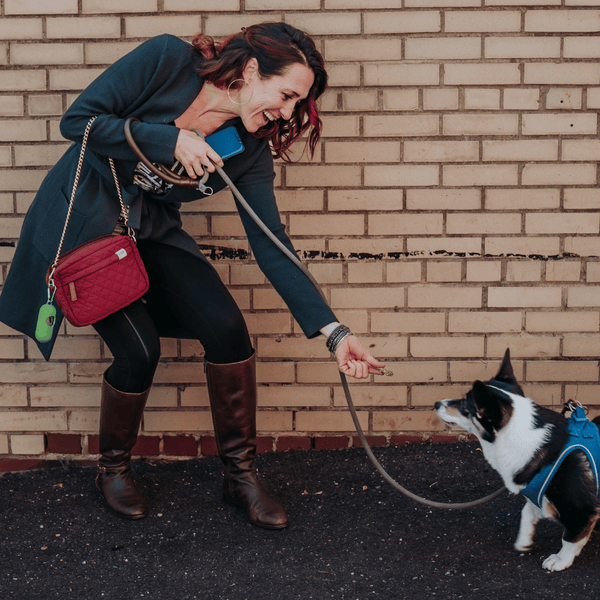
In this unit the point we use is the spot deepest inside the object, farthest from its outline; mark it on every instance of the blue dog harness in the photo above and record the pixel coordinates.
(584, 436)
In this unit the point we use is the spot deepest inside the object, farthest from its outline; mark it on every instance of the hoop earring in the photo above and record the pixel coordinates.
(245, 83)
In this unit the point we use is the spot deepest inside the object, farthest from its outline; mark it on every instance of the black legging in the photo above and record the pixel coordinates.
(187, 291)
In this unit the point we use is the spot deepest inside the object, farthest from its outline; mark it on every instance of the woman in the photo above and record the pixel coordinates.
(264, 81)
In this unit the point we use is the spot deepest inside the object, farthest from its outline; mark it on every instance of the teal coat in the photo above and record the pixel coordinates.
(155, 83)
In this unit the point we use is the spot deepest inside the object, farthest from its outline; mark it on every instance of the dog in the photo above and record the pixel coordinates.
(519, 439)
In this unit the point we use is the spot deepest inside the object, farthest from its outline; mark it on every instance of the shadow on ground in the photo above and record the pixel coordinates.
(352, 536)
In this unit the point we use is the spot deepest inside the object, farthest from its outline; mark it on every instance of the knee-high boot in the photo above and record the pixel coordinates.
(232, 391)
(120, 417)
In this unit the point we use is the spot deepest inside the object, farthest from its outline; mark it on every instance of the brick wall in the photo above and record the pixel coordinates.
(450, 212)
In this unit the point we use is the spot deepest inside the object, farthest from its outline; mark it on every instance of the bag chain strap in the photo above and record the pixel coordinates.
(124, 211)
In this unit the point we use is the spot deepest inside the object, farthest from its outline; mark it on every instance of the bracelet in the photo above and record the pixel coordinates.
(336, 336)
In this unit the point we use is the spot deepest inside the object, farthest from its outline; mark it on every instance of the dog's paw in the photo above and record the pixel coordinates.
(556, 562)
(523, 547)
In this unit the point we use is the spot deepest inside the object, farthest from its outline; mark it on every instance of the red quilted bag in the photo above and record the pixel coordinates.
(100, 277)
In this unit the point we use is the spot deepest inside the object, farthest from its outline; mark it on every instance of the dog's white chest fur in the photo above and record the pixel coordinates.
(516, 443)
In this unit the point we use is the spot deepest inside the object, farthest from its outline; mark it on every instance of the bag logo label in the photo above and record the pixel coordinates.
(122, 253)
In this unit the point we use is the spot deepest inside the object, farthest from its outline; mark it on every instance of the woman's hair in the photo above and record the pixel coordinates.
(276, 46)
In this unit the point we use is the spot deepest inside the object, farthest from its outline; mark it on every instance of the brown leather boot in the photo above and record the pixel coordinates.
(120, 417)
(232, 391)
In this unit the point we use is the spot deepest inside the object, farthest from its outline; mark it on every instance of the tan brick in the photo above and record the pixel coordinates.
(520, 150)
(374, 396)
(408, 322)
(434, 296)
(443, 246)
(484, 322)
(401, 22)
(364, 272)
(402, 74)
(521, 99)
(266, 299)
(371, 247)
(271, 421)
(538, 322)
(12, 349)
(529, 246)
(586, 394)
(557, 370)
(579, 346)
(298, 200)
(481, 74)
(480, 124)
(484, 271)
(291, 347)
(523, 271)
(564, 98)
(337, 421)
(522, 199)
(436, 48)
(443, 199)
(268, 323)
(340, 126)
(563, 271)
(363, 49)
(524, 347)
(282, 4)
(581, 296)
(559, 124)
(207, 5)
(72, 79)
(516, 297)
(593, 98)
(6, 158)
(362, 152)
(11, 106)
(360, 100)
(190, 421)
(106, 53)
(471, 21)
(582, 246)
(325, 24)
(414, 420)
(377, 297)
(404, 272)
(327, 273)
(562, 20)
(482, 99)
(581, 150)
(404, 126)
(27, 156)
(326, 224)
(21, 29)
(562, 223)
(343, 75)
(25, 80)
(46, 420)
(83, 27)
(39, 7)
(320, 373)
(32, 373)
(275, 396)
(440, 99)
(428, 395)
(13, 396)
(27, 444)
(443, 271)
(317, 176)
(441, 347)
(145, 27)
(479, 175)
(46, 54)
(566, 174)
(468, 223)
(402, 175)
(522, 47)
(40, 106)
(427, 151)
(562, 73)
(246, 275)
(400, 99)
(469, 371)
(351, 4)
(351, 200)
(116, 6)
(385, 347)
(3, 444)
(405, 224)
(592, 272)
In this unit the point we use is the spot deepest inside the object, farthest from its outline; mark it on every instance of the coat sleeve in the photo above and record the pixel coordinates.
(135, 85)
(294, 287)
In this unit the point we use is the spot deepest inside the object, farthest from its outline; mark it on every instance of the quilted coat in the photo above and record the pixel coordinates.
(156, 83)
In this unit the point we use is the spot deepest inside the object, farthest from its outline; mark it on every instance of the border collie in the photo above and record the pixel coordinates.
(519, 439)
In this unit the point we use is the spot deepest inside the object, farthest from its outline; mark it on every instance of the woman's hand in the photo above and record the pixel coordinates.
(354, 360)
(195, 154)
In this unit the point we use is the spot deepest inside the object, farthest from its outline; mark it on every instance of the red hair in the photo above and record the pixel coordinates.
(276, 46)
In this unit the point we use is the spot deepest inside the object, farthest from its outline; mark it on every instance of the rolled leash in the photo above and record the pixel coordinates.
(296, 261)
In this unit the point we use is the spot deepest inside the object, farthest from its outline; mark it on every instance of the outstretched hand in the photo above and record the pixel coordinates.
(354, 360)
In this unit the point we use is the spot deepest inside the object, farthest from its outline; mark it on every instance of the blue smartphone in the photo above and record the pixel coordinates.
(226, 143)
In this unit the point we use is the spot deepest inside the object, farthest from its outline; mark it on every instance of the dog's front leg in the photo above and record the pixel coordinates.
(530, 515)
(564, 559)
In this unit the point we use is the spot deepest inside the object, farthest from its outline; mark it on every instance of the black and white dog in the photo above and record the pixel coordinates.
(519, 439)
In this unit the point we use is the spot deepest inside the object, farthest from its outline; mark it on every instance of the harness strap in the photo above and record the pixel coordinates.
(584, 436)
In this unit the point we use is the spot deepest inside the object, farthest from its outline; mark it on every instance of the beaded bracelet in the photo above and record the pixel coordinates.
(336, 336)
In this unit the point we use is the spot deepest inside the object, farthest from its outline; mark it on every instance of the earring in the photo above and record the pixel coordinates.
(239, 93)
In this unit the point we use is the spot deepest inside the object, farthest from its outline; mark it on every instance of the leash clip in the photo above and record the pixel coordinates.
(572, 406)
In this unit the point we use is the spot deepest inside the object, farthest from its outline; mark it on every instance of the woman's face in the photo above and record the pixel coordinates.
(273, 98)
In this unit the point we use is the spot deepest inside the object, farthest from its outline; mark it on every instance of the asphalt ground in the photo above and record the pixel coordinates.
(352, 536)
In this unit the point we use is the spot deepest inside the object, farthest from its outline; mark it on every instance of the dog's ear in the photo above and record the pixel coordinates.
(484, 401)
(506, 374)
